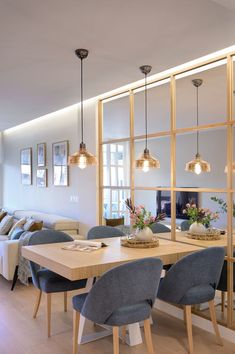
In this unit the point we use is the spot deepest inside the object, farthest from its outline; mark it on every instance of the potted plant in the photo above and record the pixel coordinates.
(141, 220)
(199, 218)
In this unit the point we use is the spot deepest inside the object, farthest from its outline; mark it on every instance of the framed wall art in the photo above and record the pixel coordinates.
(41, 155)
(26, 166)
(41, 177)
(60, 163)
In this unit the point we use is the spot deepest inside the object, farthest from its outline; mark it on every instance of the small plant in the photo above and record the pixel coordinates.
(140, 217)
(200, 215)
(223, 205)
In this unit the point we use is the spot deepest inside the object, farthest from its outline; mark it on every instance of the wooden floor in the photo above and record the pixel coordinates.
(20, 334)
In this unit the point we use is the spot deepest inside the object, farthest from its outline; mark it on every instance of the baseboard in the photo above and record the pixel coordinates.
(198, 321)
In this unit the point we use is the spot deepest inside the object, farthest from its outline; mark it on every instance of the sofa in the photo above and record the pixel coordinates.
(9, 248)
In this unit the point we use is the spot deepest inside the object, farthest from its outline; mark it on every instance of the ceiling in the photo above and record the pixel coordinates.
(39, 72)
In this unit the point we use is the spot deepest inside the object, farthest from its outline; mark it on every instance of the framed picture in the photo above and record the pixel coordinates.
(41, 155)
(26, 166)
(41, 178)
(60, 163)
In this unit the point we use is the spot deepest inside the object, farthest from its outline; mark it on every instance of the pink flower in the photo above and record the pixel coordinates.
(194, 206)
(187, 205)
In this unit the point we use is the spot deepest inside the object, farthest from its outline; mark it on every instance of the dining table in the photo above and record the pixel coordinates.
(75, 265)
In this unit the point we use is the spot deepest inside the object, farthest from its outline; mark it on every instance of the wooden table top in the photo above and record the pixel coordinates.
(181, 236)
(76, 265)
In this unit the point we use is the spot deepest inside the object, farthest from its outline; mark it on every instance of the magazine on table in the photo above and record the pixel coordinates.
(84, 246)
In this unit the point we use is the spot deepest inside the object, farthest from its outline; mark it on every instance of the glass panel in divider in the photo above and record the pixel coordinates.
(212, 148)
(114, 204)
(116, 119)
(158, 109)
(157, 177)
(116, 164)
(212, 96)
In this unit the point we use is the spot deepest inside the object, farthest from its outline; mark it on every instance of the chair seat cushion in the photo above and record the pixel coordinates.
(51, 282)
(78, 302)
(198, 295)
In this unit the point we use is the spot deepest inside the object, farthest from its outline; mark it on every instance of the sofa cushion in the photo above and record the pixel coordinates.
(18, 224)
(3, 238)
(17, 233)
(50, 221)
(33, 225)
(6, 224)
(3, 213)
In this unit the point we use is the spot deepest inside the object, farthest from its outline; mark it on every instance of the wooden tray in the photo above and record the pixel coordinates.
(131, 242)
(207, 236)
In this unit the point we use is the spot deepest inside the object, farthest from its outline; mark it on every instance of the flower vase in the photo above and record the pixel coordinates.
(146, 234)
(197, 228)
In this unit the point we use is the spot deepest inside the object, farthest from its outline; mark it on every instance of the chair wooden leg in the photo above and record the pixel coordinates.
(65, 301)
(48, 315)
(215, 325)
(37, 304)
(115, 340)
(124, 334)
(189, 327)
(148, 336)
(222, 300)
(76, 319)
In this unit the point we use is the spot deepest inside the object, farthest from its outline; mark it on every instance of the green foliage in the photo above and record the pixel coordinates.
(223, 205)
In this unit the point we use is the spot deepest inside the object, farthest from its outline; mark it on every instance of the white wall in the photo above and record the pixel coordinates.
(58, 126)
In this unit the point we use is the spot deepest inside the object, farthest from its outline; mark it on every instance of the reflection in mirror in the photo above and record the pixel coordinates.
(114, 204)
(212, 96)
(116, 164)
(116, 119)
(212, 145)
(160, 149)
(158, 109)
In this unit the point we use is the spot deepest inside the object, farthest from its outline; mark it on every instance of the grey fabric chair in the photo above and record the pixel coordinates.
(122, 296)
(193, 280)
(47, 281)
(184, 226)
(159, 228)
(104, 232)
(223, 285)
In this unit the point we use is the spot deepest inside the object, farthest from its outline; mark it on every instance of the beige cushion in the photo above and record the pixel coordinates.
(6, 224)
(20, 223)
(3, 213)
(32, 225)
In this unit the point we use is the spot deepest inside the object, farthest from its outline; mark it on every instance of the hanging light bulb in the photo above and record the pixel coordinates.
(82, 158)
(146, 161)
(197, 165)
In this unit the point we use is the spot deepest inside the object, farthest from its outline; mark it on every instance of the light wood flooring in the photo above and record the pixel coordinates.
(20, 334)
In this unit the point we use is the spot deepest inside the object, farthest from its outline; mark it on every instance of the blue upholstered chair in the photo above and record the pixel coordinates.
(193, 280)
(122, 296)
(104, 232)
(223, 285)
(47, 281)
(184, 226)
(159, 228)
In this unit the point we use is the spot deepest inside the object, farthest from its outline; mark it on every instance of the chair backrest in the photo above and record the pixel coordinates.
(159, 228)
(124, 285)
(199, 268)
(44, 237)
(223, 283)
(104, 232)
(184, 226)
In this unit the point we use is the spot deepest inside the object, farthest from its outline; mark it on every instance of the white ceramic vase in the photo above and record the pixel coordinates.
(197, 228)
(144, 235)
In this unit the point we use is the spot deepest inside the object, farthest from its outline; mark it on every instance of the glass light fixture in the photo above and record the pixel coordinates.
(146, 160)
(197, 165)
(82, 158)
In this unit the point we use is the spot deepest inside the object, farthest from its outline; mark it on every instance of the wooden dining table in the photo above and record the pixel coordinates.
(75, 265)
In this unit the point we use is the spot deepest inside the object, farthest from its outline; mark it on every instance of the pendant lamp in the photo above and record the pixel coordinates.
(146, 160)
(82, 158)
(197, 165)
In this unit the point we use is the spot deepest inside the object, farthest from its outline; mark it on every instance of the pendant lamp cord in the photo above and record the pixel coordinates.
(197, 123)
(82, 100)
(146, 110)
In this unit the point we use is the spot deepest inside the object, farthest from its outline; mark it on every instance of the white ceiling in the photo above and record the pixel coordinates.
(39, 72)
